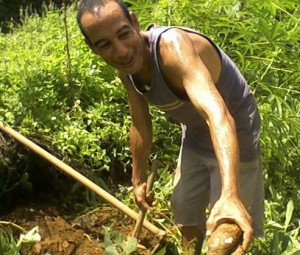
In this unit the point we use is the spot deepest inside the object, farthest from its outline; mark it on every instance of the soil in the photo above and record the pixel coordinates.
(82, 235)
(42, 197)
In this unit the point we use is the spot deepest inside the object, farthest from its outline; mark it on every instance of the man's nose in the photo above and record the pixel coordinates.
(121, 49)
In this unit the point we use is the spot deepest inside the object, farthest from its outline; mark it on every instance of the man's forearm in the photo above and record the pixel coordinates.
(141, 143)
(227, 152)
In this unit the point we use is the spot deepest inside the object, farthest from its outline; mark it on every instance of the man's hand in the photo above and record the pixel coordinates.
(143, 200)
(231, 210)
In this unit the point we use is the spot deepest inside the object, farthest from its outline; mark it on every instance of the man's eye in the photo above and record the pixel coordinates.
(124, 34)
(103, 46)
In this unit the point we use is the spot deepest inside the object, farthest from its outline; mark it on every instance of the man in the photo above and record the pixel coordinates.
(186, 75)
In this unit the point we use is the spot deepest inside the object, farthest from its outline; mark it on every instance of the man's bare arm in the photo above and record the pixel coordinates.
(182, 64)
(185, 70)
(140, 140)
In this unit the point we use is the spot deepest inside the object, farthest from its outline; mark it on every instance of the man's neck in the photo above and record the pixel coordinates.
(144, 76)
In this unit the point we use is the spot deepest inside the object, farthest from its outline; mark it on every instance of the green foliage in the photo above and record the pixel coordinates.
(86, 117)
(35, 93)
(282, 228)
(116, 244)
(8, 244)
(167, 248)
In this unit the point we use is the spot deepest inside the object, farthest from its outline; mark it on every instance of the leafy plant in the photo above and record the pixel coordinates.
(116, 244)
(8, 244)
(282, 228)
(262, 37)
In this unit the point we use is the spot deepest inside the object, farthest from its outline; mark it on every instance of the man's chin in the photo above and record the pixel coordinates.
(129, 71)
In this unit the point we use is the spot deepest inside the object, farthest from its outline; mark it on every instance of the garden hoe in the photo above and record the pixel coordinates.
(139, 222)
(141, 216)
(86, 182)
(168, 247)
(225, 240)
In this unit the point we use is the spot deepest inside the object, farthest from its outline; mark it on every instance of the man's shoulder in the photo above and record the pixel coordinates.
(173, 34)
(171, 42)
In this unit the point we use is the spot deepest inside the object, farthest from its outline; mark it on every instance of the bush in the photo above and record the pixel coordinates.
(82, 111)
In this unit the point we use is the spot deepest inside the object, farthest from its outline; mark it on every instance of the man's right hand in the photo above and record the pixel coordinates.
(143, 200)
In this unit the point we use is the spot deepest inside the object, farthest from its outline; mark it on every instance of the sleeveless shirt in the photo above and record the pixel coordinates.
(231, 85)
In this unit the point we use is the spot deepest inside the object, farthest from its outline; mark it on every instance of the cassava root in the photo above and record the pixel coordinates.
(226, 240)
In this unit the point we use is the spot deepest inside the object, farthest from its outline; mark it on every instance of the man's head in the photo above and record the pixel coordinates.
(112, 33)
(93, 7)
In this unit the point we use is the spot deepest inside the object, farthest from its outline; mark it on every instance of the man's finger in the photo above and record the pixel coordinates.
(144, 207)
(247, 237)
(150, 198)
(142, 204)
(210, 227)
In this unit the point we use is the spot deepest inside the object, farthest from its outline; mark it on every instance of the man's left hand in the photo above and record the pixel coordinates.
(231, 210)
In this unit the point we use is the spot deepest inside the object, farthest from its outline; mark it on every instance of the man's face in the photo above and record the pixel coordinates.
(113, 37)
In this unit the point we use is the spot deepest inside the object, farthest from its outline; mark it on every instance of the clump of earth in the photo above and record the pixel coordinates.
(35, 194)
(82, 235)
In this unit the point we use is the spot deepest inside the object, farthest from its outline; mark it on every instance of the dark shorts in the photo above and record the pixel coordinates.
(197, 185)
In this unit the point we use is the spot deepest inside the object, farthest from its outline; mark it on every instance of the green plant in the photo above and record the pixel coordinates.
(92, 132)
(282, 228)
(8, 244)
(116, 244)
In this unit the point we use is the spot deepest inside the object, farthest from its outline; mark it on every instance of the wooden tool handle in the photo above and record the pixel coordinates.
(150, 181)
(80, 178)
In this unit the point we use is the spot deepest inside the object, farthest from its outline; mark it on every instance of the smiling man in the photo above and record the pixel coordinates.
(185, 74)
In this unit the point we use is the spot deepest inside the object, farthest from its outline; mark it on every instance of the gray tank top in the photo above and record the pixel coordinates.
(231, 85)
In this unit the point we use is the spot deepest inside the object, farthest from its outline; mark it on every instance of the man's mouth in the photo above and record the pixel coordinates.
(128, 63)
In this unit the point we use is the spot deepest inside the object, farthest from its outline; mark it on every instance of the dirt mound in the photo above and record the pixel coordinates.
(34, 194)
(82, 235)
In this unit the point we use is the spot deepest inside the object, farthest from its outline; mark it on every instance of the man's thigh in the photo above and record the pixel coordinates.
(190, 196)
(197, 183)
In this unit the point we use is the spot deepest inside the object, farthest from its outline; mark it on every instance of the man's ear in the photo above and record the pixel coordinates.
(135, 21)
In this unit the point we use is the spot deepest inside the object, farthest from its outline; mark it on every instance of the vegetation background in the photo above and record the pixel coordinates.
(53, 90)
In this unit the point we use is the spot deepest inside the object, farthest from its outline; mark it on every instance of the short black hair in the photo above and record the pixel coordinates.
(92, 5)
